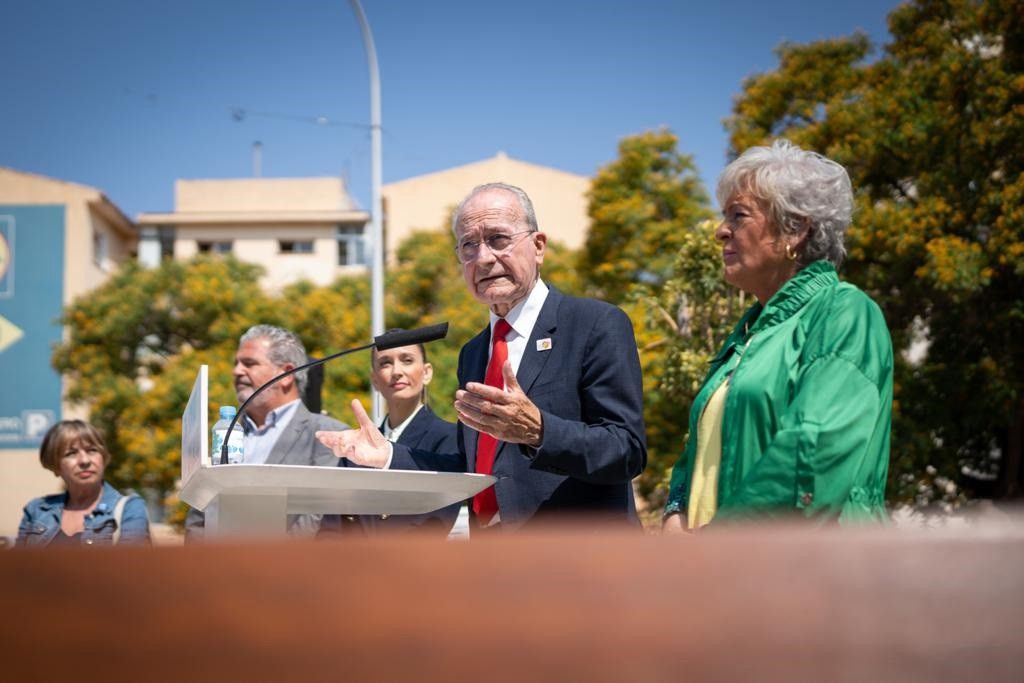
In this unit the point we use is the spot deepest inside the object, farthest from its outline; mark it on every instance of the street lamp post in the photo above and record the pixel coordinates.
(376, 255)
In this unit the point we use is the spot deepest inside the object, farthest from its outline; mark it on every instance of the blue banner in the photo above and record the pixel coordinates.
(31, 299)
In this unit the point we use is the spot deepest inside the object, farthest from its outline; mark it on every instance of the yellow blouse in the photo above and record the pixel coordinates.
(704, 484)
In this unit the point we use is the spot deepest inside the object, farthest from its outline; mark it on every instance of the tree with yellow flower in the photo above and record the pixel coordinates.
(932, 132)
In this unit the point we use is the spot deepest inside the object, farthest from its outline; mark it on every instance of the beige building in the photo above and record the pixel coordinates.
(311, 228)
(296, 228)
(94, 228)
(424, 202)
(95, 237)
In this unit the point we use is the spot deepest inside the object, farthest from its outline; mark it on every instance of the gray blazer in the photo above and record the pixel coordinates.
(297, 445)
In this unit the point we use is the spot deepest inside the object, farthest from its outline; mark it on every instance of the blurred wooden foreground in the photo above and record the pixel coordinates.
(748, 604)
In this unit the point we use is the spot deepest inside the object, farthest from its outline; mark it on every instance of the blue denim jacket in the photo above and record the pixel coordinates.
(41, 520)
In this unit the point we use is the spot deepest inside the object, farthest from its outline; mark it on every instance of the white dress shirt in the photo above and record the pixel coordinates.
(395, 433)
(260, 441)
(522, 317)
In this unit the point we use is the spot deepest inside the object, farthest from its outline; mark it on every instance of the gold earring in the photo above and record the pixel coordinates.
(790, 254)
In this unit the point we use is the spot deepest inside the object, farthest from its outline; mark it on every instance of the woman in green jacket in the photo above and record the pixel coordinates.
(795, 411)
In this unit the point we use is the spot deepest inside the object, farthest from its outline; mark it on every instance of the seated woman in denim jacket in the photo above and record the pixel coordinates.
(88, 512)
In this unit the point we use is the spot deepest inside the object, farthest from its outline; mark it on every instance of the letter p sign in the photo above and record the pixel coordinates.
(36, 423)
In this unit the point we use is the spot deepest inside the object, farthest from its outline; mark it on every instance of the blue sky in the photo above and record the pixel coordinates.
(129, 96)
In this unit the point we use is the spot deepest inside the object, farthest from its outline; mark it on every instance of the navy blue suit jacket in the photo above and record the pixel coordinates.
(582, 370)
(426, 432)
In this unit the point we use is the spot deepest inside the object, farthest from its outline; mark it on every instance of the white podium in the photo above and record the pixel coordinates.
(254, 500)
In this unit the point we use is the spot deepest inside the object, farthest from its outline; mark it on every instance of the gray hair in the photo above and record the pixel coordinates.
(529, 215)
(801, 189)
(285, 348)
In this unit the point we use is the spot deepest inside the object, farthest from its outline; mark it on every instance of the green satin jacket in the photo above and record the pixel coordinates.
(809, 408)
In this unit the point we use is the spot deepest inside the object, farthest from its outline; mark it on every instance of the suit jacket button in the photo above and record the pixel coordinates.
(806, 498)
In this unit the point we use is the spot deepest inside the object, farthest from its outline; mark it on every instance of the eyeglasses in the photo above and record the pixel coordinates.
(499, 244)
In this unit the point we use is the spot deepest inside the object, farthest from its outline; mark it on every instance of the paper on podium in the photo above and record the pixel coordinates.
(336, 490)
(194, 427)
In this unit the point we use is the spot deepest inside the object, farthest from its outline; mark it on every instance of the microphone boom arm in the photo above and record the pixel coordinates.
(388, 340)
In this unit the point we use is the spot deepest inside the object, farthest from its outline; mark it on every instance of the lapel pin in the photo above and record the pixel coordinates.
(544, 344)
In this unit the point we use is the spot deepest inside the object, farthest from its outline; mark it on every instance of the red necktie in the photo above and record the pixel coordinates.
(485, 503)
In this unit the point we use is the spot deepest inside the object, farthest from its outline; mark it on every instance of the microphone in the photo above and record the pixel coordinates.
(388, 340)
(422, 335)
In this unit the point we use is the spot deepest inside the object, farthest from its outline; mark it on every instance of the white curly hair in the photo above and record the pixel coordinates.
(801, 190)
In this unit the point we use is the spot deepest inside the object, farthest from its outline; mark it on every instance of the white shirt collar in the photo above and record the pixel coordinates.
(395, 433)
(523, 316)
(280, 414)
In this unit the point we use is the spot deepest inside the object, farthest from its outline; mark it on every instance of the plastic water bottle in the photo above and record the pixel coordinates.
(234, 443)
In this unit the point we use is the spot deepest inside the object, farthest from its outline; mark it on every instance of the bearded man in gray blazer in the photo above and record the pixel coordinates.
(278, 428)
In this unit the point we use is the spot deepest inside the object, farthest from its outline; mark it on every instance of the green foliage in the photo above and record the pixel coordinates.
(426, 287)
(811, 92)
(330, 319)
(932, 133)
(651, 249)
(132, 349)
(679, 329)
(640, 206)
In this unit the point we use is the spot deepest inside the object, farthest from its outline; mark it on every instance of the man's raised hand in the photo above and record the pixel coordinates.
(364, 446)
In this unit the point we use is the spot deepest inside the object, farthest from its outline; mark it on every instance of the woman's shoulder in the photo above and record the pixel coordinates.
(135, 508)
(438, 434)
(848, 323)
(133, 505)
(435, 421)
(45, 502)
(112, 496)
(851, 308)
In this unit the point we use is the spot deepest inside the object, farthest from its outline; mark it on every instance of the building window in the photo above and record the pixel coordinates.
(295, 246)
(167, 236)
(100, 248)
(351, 245)
(214, 247)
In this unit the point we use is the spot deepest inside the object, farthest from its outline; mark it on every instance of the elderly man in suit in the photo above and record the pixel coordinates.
(550, 401)
(278, 428)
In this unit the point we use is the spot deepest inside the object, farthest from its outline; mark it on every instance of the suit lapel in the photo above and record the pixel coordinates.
(417, 429)
(476, 369)
(286, 442)
(534, 360)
